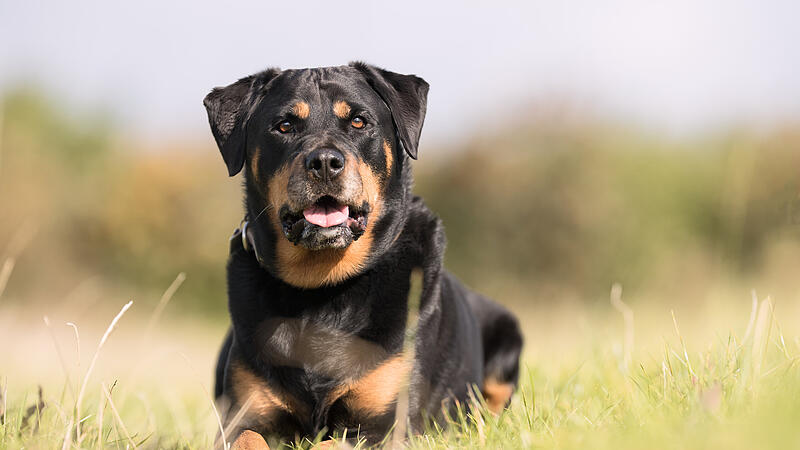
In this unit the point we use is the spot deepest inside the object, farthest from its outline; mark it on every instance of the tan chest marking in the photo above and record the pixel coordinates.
(376, 392)
(262, 401)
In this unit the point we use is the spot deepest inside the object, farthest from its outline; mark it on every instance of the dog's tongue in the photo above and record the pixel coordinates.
(327, 215)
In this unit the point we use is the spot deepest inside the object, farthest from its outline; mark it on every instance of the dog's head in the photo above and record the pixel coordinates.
(325, 153)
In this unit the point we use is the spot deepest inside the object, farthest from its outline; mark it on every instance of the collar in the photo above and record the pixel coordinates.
(244, 235)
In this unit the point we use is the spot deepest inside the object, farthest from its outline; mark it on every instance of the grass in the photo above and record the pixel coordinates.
(738, 393)
(732, 390)
(674, 220)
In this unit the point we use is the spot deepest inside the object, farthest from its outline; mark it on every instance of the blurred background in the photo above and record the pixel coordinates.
(568, 146)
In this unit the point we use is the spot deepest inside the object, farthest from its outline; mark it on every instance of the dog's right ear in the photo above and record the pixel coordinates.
(228, 109)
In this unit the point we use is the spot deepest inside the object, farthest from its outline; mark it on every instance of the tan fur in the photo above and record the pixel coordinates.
(305, 268)
(278, 195)
(254, 163)
(497, 394)
(264, 401)
(341, 109)
(374, 393)
(387, 151)
(301, 110)
(249, 440)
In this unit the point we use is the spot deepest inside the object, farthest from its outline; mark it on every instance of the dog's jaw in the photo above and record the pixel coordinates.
(299, 230)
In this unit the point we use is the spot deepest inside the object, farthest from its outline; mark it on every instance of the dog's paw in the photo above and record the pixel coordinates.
(249, 440)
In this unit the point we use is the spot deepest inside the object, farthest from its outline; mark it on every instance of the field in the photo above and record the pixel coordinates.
(598, 380)
(696, 347)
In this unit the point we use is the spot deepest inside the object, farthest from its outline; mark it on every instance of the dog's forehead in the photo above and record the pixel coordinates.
(322, 85)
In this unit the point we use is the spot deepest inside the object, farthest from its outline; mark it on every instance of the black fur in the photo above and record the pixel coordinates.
(306, 342)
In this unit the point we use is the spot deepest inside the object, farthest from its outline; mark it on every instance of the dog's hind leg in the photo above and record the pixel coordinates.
(502, 345)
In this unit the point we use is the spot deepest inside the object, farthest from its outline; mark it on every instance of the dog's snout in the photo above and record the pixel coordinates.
(325, 163)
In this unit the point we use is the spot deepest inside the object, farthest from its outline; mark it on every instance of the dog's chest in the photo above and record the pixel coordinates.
(335, 377)
(339, 333)
(330, 358)
(318, 349)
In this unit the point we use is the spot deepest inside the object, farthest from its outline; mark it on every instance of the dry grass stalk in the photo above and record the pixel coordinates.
(78, 402)
(116, 415)
(100, 410)
(68, 435)
(627, 317)
(403, 397)
(237, 418)
(18, 243)
(77, 342)
(162, 304)
(761, 335)
(752, 321)
(5, 273)
(225, 443)
(686, 360)
(60, 354)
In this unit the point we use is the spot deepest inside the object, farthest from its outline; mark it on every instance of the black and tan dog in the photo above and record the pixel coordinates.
(319, 286)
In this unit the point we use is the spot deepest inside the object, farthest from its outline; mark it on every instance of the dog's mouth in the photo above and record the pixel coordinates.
(326, 223)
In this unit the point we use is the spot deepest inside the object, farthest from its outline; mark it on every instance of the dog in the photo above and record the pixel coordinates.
(319, 274)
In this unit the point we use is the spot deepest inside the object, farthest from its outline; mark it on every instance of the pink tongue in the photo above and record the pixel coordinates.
(326, 216)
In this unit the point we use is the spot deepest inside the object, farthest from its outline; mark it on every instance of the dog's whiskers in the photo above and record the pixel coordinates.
(269, 206)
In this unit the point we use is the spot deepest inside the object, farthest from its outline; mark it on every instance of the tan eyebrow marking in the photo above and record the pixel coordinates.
(341, 109)
(301, 110)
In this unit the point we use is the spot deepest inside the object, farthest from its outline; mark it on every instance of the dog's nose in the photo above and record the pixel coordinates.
(325, 163)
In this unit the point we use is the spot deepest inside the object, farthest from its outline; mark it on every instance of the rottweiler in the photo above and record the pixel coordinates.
(319, 274)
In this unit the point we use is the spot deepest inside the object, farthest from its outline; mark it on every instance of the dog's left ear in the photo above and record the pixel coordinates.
(407, 98)
(228, 108)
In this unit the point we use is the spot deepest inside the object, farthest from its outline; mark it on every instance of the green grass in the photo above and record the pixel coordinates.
(736, 390)
(735, 394)
(92, 218)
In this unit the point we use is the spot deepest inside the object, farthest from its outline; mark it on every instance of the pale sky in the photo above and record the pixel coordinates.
(673, 65)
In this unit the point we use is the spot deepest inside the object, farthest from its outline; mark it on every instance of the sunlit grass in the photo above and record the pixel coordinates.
(739, 389)
(739, 392)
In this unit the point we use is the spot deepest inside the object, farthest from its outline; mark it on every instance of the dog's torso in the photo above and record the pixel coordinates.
(333, 358)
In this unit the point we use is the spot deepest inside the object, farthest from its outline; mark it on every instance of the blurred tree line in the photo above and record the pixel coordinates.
(540, 209)
(549, 206)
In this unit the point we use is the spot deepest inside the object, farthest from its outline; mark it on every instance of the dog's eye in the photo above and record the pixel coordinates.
(285, 127)
(358, 122)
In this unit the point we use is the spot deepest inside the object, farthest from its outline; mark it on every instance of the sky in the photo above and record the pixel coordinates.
(678, 66)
